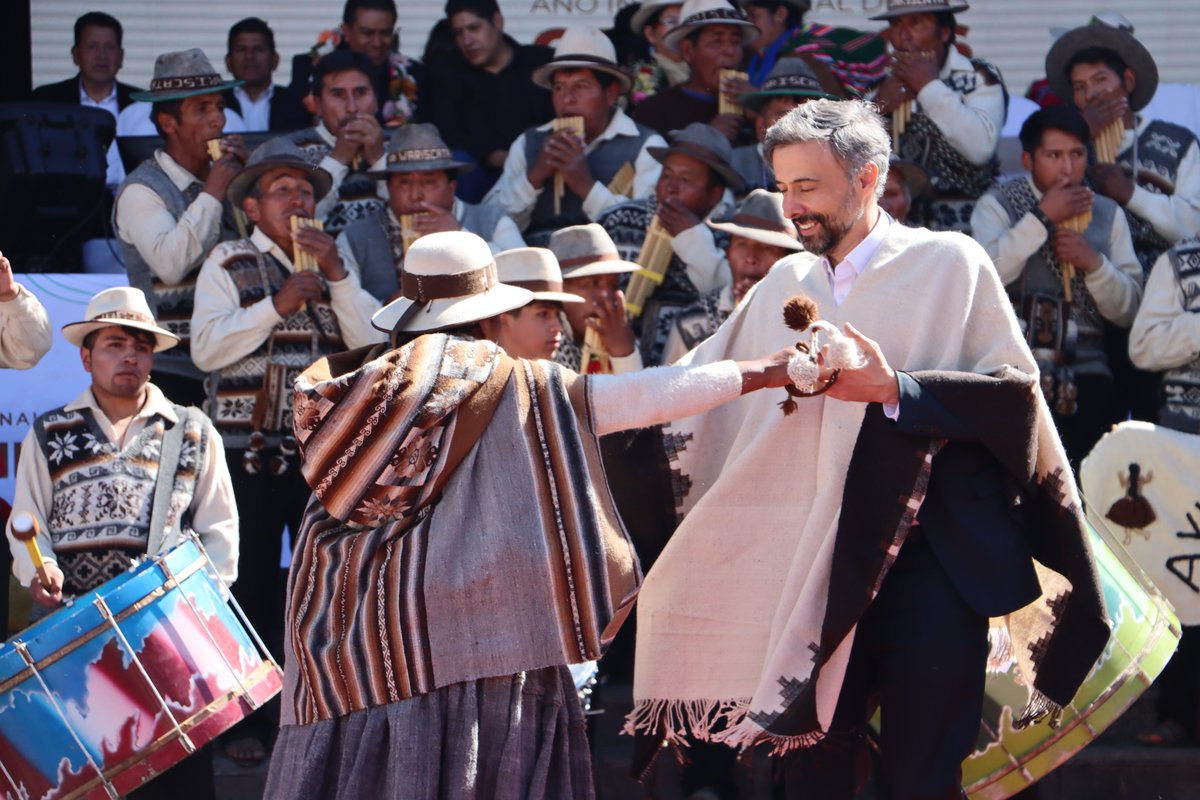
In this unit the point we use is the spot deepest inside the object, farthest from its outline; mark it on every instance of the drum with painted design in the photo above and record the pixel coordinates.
(129, 679)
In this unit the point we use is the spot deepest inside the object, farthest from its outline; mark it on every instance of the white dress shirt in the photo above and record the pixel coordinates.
(116, 170)
(516, 194)
(1174, 216)
(135, 121)
(256, 114)
(223, 332)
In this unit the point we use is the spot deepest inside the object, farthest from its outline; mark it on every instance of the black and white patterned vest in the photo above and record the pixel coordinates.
(99, 517)
(1040, 286)
(604, 162)
(701, 319)
(1181, 385)
(1159, 149)
(357, 195)
(171, 305)
(255, 392)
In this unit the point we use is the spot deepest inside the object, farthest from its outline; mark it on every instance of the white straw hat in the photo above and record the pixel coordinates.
(124, 306)
(535, 269)
(696, 14)
(583, 48)
(586, 250)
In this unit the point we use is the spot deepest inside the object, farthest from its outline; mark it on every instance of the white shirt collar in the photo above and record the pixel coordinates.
(156, 403)
(864, 251)
(244, 98)
(324, 133)
(266, 244)
(178, 175)
(86, 99)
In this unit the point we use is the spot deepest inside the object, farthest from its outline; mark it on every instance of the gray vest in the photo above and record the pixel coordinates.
(171, 305)
(604, 162)
(1076, 329)
(375, 244)
(1181, 385)
(1160, 149)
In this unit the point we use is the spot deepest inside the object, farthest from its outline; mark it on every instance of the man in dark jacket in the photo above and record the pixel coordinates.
(252, 59)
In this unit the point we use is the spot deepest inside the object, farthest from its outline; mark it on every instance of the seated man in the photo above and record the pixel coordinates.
(347, 141)
(171, 210)
(88, 475)
(252, 59)
(957, 107)
(791, 83)
(710, 38)
(534, 330)
(24, 326)
(421, 176)
(695, 182)
(1067, 259)
(759, 235)
(907, 181)
(584, 81)
(592, 269)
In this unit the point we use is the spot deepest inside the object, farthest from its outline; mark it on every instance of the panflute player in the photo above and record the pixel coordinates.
(1067, 259)
(590, 157)
(947, 110)
(422, 177)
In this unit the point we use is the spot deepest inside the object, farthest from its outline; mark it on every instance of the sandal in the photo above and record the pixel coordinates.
(247, 751)
(1167, 733)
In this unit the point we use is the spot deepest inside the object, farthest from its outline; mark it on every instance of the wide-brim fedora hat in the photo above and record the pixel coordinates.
(535, 269)
(760, 217)
(646, 10)
(418, 147)
(124, 306)
(900, 8)
(697, 14)
(583, 48)
(790, 77)
(586, 250)
(703, 143)
(185, 73)
(275, 154)
(914, 176)
(1100, 34)
(449, 279)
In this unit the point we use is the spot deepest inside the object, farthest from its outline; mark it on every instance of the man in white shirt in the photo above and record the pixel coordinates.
(252, 59)
(553, 178)
(171, 210)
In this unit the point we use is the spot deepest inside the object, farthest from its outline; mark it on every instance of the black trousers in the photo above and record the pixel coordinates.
(919, 655)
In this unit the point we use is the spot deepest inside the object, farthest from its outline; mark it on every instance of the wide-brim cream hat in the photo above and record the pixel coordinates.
(535, 269)
(449, 279)
(583, 48)
(760, 217)
(1104, 33)
(697, 14)
(900, 8)
(586, 250)
(124, 306)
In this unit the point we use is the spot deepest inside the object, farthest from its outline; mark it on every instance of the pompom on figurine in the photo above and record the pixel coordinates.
(840, 352)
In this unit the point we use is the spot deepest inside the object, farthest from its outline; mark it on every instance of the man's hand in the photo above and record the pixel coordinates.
(612, 324)
(730, 125)
(1062, 201)
(8, 284)
(675, 216)
(892, 92)
(914, 71)
(435, 219)
(298, 289)
(1073, 248)
(572, 164)
(226, 168)
(365, 131)
(1111, 180)
(1102, 113)
(49, 597)
(546, 164)
(875, 382)
(323, 248)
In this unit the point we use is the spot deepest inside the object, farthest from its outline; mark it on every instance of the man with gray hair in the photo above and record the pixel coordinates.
(855, 545)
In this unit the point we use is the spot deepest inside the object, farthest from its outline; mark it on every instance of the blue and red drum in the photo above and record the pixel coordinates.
(127, 680)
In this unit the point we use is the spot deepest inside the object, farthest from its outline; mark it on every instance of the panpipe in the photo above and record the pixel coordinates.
(303, 260)
(571, 125)
(727, 102)
(593, 358)
(901, 115)
(214, 149)
(356, 163)
(622, 182)
(1108, 143)
(408, 230)
(654, 259)
(1078, 223)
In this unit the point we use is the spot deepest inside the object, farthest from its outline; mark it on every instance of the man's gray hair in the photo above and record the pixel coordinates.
(853, 129)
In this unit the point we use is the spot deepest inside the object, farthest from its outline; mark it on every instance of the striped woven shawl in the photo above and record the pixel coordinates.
(461, 527)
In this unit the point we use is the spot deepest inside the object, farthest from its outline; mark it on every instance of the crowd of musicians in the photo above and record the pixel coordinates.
(618, 176)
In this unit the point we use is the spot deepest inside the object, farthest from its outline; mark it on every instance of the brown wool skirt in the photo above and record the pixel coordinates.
(520, 737)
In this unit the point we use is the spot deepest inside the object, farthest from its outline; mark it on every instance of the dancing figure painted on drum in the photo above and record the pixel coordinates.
(117, 474)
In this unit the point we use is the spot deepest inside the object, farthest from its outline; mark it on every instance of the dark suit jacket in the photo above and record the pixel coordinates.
(287, 110)
(68, 92)
(971, 513)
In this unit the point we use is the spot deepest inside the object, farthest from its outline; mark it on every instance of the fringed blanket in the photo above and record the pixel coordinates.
(460, 530)
(746, 622)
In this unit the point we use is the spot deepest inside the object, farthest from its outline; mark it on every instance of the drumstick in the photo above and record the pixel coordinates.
(25, 529)
(214, 149)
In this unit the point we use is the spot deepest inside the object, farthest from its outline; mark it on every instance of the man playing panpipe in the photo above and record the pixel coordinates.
(258, 323)
(953, 130)
(584, 81)
(422, 177)
(1067, 259)
(696, 180)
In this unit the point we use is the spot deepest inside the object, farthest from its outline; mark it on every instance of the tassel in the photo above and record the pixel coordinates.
(788, 406)
(1039, 708)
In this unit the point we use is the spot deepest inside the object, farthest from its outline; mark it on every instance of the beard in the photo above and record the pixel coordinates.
(830, 229)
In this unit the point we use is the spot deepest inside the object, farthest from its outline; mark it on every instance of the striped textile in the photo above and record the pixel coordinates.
(463, 528)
